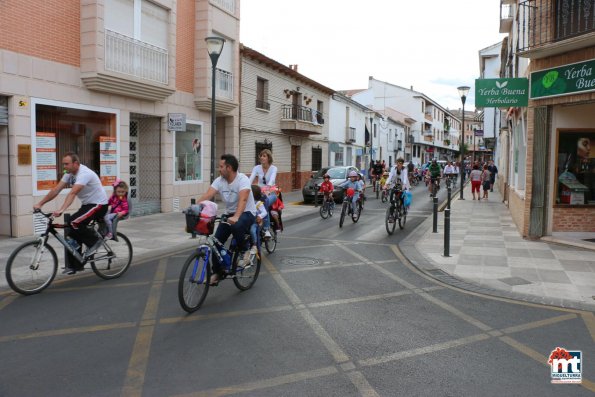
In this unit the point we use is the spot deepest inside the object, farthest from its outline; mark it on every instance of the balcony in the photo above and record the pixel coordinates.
(506, 15)
(224, 92)
(131, 67)
(301, 120)
(226, 5)
(262, 105)
(349, 135)
(551, 27)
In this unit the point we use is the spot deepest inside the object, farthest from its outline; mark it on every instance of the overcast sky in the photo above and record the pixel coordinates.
(431, 45)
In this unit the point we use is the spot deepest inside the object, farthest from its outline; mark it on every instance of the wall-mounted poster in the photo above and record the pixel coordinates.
(575, 169)
(108, 160)
(45, 160)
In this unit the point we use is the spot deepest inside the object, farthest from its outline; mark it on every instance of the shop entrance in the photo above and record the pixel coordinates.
(145, 164)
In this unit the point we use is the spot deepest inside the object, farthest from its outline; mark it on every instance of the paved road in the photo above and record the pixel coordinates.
(335, 312)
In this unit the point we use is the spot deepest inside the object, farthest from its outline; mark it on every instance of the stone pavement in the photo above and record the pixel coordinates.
(488, 255)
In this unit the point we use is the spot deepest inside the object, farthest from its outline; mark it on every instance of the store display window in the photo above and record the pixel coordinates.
(575, 168)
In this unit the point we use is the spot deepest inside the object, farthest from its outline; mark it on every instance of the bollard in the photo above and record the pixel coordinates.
(435, 220)
(448, 197)
(192, 202)
(447, 232)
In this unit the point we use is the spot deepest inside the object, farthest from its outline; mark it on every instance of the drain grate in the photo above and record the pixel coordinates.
(300, 261)
(512, 281)
(436, 272)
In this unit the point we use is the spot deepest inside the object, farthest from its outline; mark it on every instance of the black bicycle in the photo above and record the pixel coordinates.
(346, 208)
(32, 266)
(435, 186)
(396, 211)
(328, 206)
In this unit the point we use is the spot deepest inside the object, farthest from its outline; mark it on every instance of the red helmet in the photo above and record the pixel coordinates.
(350, 192)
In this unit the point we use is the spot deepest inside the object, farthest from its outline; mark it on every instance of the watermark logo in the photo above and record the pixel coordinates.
(566, 365)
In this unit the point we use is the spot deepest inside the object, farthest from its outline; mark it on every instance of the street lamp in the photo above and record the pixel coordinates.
(214, 48)
(463, 91)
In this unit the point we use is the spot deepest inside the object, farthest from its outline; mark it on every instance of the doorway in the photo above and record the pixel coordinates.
(145, 164)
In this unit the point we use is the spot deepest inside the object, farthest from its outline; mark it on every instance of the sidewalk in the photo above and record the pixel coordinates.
(488, 255)
(152, 236)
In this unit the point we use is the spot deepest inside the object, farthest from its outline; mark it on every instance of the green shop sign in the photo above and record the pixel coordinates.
(501, 93)
(563, 80)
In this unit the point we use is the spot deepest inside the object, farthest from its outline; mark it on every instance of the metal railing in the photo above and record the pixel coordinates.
(133, 57)
(263, 105)
(227, 5)
(350, 134)
(302, 113)
(543, 22)
(223, 83)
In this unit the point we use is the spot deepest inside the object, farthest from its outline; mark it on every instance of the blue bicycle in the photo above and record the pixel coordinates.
(239, 264)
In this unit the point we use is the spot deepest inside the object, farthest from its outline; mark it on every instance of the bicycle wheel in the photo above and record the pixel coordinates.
(113, 258)
(358, 211)
(403, 215)
(343, 211)
(384, 196)
(30, 269)
(194, 281)
(377, 190)
(390, 213)
(324, 210)
(245, 269)
(271, 244)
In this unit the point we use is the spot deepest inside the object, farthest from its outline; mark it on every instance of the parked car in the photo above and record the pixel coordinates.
(338, 175)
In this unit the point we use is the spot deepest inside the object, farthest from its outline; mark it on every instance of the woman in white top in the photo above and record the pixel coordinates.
(267, 174)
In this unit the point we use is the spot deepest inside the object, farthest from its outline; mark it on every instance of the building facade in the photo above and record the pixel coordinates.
(286, 112)
(126, 85)
(347, 132)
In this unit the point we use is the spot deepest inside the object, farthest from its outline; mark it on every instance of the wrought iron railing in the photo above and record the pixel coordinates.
(543, 22)
(136, 58)
(263, 105)
(227, 5)
(302, 113)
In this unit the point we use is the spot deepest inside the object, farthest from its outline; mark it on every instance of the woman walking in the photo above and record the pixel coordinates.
(475, 177)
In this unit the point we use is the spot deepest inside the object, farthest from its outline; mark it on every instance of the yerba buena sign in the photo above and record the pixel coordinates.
(563, 80)
(501, 93)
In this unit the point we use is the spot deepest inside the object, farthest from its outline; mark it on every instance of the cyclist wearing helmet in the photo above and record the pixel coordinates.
(356, 185)
(398, 176)
(326, 187)
(435, 173)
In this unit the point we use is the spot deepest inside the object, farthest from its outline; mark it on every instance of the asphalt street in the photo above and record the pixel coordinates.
(335, 312)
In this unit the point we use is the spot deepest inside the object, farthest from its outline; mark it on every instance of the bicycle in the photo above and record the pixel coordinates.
(327, 207)
(346, 207)
(270, 244)
(396, 211)
(435, 187)
(193, 284)
(32, 266)
(384, 196)
(377, 188)
(450, 180)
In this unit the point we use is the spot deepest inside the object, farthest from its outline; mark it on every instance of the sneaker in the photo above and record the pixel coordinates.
(108, 236)
(91, 250)
(253, 250)
(72, 270)
(267, 235)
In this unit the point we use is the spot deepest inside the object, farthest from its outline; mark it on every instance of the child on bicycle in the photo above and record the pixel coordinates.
(326, 187)
(275, 213)
(356, 185)
(118, 206)
(383, 179)
(262, 216)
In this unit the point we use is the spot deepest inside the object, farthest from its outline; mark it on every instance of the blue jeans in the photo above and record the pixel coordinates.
(238, 230)
(270, 200)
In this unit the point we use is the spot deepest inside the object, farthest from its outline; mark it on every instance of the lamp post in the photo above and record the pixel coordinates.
(214, 48)
(463, 91)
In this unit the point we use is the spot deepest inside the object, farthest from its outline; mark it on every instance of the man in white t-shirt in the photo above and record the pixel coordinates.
(86, 185)
(236, 192)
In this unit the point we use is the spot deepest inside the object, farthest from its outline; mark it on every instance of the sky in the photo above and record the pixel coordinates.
(432, 45)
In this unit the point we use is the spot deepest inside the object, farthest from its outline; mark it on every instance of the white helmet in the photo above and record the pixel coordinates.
(352, 173)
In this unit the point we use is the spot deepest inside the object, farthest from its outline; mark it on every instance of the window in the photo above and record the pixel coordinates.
(139, 19)
(316, 158)
(260, 146)
(349, 157)
(188, 153)
(89, 133)
(262, 94)
(339, 158)
(575, 168)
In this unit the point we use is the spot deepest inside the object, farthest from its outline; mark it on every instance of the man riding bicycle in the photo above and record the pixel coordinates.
(435, 174)
(86, 185)
(235, 190)
(450, 172)
(356, 185)
(378, 170)
(398, 175)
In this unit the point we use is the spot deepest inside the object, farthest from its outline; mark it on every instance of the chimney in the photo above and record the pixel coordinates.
(295, 67)
(411, 88)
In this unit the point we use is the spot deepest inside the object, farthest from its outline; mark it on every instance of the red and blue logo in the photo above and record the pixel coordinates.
(566, 365)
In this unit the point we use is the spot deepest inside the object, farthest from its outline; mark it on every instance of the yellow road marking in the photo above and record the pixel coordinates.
(589, 320)
(137, 366)
(538, 324)
(264, 384)
(7, 301)
(237, 313)
(67, 331)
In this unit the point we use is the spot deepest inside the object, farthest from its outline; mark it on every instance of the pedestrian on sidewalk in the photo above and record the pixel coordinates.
(475, 177)
(485, 181)
(493, 172)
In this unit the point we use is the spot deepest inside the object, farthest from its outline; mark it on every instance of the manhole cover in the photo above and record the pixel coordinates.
(301, 261)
